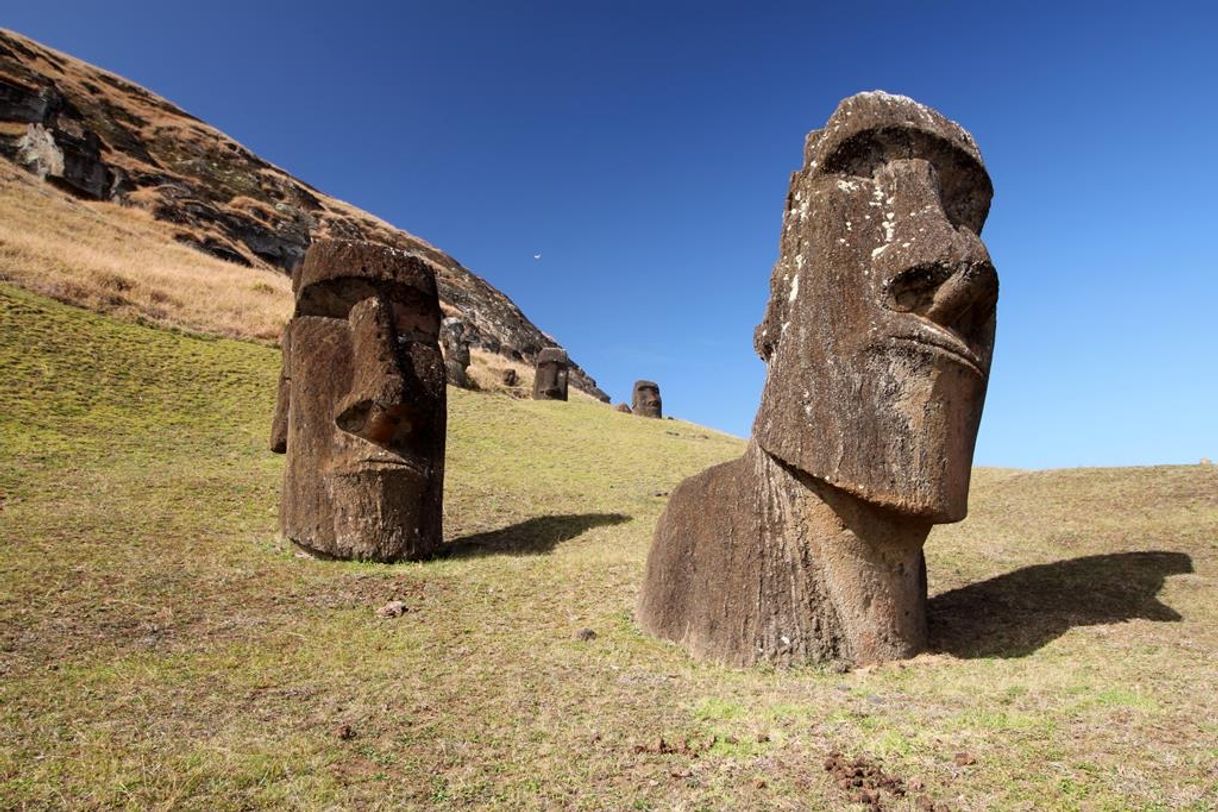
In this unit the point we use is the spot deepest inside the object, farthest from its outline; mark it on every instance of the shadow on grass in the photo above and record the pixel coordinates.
(1016, 614)
(531, 537)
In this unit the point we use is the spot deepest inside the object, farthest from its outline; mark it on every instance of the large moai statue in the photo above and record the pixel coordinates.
(646, 399)
(455, 343)
(877, 336)
(361, 412)
(550, 380)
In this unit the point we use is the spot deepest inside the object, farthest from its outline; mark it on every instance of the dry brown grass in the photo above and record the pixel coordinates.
(119, 260)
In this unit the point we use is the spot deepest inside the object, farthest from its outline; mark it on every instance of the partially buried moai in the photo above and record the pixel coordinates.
(877, 337)
(550, 379)
(454, 340)
(361, 411)
(646, 400)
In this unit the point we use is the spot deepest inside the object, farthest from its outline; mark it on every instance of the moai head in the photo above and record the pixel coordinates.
(880, 326)
(550, 382)
(455, 342)
(361, 412)
(646, 400)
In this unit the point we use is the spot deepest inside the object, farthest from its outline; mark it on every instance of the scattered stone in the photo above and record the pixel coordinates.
(623, 408)
(392, 609)
(510, 377)
(455, 345)
(550, 382)
(361, 410)
(964, 759)
(878, 336)
(344, 732)
(862, 780)
(646, 399)
(585, 635)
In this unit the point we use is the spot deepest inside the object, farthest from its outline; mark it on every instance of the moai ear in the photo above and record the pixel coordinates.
(279, 423)
(765, 337)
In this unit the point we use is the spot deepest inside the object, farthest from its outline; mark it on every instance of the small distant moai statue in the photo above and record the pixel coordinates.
(877, 337)
(550, 382)
(646, 401)
(361, 412)
(622, 407)
(510, 378)
(455, 344)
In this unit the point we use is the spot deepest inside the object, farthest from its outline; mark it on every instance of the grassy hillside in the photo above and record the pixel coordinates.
(160, 647)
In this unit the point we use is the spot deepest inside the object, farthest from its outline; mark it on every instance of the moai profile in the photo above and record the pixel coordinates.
(550, 381)
(455, 343)
(646, 400)
(361, 411)
(877, 336)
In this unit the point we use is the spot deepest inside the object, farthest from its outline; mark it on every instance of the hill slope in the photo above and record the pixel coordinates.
(102, 138)
(160, 647)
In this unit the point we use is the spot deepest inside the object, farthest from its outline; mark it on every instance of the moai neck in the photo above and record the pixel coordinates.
(869, 560)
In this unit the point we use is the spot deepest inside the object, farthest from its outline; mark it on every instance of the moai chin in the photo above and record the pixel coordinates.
(361, 411)
(550, 381)
(646, 400)
(454, 341)
(877, 336)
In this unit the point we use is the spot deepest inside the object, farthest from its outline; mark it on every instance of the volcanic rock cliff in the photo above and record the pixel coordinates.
(101, 137)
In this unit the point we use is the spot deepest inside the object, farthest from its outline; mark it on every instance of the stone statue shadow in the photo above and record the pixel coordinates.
(535, 536)
(1015, 614)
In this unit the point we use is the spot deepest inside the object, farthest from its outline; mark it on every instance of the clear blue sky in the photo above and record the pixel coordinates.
(643, 148)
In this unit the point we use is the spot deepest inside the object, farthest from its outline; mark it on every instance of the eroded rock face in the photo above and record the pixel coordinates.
(550, 380)
(646, 399)
(878, 336)
(455, 344)
(361, 410)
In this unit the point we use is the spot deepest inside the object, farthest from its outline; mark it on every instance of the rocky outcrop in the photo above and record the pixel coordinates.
(104, 138)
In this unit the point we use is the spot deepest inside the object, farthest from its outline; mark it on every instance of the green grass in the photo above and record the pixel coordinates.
(160, 647)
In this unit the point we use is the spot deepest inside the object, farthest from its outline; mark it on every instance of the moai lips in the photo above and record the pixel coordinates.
(878, 336)
(646, 400)
(361, 411)
(550, 380)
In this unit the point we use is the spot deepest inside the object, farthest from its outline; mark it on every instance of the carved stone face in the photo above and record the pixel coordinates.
(880, 325)
(550, 381)
(646, 399)
(361, 413)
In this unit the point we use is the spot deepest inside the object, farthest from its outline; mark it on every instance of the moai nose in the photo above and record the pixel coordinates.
(932, 266)
(376, 407)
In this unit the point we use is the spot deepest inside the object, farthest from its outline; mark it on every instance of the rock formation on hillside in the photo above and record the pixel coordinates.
(101, 137)
(878, 336)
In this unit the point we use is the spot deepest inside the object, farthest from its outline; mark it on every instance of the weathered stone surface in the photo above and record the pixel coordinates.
(550, 380)
(455, 346)
(646, 399)
(878, 336)
(361, 410)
